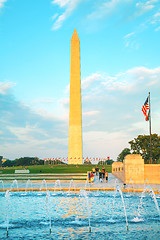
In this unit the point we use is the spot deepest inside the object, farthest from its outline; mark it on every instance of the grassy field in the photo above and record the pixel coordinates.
(55, 168)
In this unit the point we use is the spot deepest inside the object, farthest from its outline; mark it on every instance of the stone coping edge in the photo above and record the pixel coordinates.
(156, 191)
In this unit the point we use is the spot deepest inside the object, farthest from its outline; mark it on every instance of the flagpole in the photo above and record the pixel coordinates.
(150, 128)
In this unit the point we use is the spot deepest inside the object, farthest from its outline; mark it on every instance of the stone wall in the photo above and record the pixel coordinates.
(133, 165)
(152, 173)
(118, 171)
(133, 168)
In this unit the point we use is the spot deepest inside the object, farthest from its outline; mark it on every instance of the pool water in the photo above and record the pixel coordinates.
(32, 215)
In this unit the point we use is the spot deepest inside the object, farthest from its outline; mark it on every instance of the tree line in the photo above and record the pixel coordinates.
(141, 145)
(28, 161)
(23, 161)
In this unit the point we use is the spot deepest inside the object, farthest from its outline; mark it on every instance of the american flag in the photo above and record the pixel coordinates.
(145, 108)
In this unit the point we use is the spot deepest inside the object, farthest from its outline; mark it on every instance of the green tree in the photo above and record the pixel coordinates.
(26, 161)
(109, 162)
(141, 145)
(122, 155)
(9, 163)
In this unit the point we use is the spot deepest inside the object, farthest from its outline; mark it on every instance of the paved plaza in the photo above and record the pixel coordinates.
(77, 184)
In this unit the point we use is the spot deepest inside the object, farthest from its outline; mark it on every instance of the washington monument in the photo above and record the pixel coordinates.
(75, 113)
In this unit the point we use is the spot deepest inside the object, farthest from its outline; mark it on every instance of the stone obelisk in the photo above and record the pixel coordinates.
(75, 113)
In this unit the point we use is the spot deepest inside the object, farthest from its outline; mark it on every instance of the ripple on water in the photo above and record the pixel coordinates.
(137, 219)
(4, 225)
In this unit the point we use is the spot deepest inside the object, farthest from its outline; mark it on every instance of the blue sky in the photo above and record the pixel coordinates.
(120, 48)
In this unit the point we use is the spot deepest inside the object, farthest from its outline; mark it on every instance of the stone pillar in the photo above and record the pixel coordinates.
(75, 115)
(133, 165)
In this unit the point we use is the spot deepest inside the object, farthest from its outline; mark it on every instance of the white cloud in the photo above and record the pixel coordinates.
(130, 41)
(64, 101)
(44, 100)
(89, 80)
(2, 3)
(129, 35)
(149, 9)
(90, 113)
(118, 105)
(155, 21)
(106, 8)
(126, 81)
(27, 134)
(48, 115)
(157, 29)
(54, 16)
(111, 116)
(61, 3)
(102, 143)
(157, 15)
(5, 86)
(34, 147)
(143, 7)
(70, 6)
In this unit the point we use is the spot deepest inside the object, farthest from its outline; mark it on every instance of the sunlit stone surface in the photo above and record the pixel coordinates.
(75, 119)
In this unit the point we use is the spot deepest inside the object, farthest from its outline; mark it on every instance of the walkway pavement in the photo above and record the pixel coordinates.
(113, 181)
(77, 184)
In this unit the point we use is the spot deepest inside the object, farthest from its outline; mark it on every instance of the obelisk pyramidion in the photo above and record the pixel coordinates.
(75, 113)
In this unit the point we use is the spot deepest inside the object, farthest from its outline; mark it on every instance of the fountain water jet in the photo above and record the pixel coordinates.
(7, 196)
(84, 193)
(47, 209)
(129, 194)
(118, 189)
(45, 184)
(27, 184)
(1, 181)
(158, 194)
(13, 183)
(70, 185)
(87, 183)
(150, 190)
(57, 182)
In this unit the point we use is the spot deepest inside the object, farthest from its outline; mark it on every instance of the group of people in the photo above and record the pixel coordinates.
(103, 174)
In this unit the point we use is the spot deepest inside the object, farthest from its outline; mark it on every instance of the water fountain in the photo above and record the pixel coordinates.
(118, 189)
(158, 194)
(57, 183)
(28, 183)
(87, 183)
(147, 189)
(48, 210)
(12, 185)
(2, 183)
(71, 185)
(41, 187)
(130, 187)
(84, 193)
(7, 196)
(146, 183)
(33, 217)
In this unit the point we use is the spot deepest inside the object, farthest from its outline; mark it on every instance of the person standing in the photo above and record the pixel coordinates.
(103, 173)
(92, 178)
(89, 177)
(106, 176)
(93, 170)
(100, 175)
(97, 170)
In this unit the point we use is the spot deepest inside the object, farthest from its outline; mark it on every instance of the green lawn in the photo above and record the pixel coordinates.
(55, 169)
